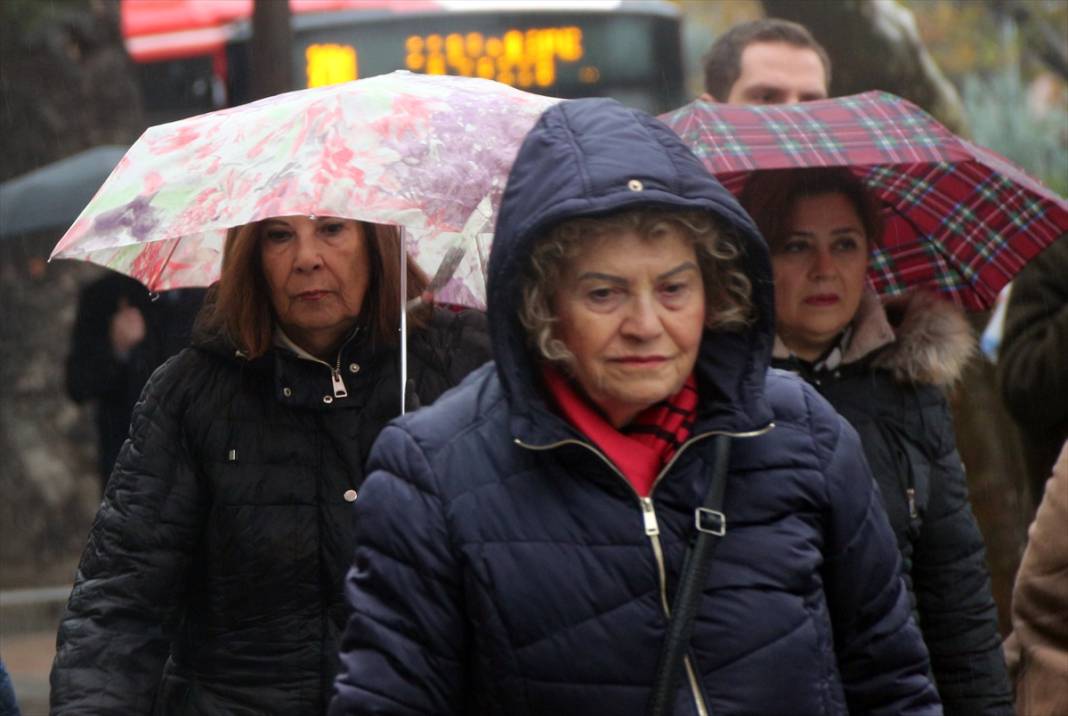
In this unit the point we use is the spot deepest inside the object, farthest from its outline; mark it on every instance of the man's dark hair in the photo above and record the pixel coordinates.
(723, 62)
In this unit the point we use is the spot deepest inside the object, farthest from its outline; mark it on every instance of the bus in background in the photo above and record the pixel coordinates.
(193, 56)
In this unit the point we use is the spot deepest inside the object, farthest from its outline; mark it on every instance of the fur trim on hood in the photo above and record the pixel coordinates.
(934, 341)
(918, 337)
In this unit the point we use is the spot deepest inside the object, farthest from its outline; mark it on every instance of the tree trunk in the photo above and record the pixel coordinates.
(67, 85)
(874, 44)
(272, 48)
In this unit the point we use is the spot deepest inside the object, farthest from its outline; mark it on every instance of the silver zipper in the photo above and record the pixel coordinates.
(652, 530)
(336, 381)
(340, 391)
(652, 526)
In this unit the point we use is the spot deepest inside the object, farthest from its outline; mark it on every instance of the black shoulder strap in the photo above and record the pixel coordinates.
(711, 524)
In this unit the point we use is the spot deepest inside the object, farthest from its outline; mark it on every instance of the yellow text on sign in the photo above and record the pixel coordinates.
(331, 64)
(519, 58)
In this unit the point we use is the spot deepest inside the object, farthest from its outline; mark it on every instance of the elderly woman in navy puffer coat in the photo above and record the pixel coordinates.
(519, 543)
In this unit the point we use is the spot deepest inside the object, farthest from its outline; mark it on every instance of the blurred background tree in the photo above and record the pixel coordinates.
(1010, 60)
(66, 84)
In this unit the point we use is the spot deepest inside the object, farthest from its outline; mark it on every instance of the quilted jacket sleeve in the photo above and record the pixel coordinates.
(113, 639)
(453, 345)
(401, 653)
(953, 589)
(881, 657)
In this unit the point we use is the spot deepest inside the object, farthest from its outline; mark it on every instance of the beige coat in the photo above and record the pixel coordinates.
(1037, 650)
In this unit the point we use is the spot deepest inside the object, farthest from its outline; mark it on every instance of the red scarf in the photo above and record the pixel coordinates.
(645, 445)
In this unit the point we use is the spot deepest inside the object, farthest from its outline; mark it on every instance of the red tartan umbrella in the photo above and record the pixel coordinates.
(959, 217)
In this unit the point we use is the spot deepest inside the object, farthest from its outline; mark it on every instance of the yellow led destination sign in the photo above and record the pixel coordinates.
(519, 58)
(331, 64)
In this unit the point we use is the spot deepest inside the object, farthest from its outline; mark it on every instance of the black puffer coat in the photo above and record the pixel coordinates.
(890, 388)
(211, 583)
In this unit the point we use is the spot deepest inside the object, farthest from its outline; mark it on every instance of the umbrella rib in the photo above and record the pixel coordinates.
(163, 265)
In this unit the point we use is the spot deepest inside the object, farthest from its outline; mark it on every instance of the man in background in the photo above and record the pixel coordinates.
(766, 62)
(1033, 360)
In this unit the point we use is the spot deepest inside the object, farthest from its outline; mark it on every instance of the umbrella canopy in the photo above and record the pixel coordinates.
(959, 218)
(429, 153)
(51, 197)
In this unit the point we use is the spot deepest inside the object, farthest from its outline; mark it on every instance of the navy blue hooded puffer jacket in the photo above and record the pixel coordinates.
(502, 567)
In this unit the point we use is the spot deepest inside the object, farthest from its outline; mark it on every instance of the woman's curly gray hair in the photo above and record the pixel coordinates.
(728, 291)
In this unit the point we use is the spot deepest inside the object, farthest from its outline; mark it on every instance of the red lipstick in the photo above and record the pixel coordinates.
(822, 299)
(640, 360)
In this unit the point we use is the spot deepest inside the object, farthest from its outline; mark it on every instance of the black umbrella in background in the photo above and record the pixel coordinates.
(52, 196)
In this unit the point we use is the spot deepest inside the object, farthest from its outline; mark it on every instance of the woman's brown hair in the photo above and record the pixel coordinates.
(769, 198)
(238, 306)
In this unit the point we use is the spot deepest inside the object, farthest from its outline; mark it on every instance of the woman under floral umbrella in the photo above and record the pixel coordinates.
(211, 582)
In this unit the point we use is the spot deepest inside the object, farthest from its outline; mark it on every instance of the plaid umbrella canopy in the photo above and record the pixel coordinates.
(959, 217)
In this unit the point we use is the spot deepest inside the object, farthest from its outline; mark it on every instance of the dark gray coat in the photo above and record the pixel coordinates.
(890, 388)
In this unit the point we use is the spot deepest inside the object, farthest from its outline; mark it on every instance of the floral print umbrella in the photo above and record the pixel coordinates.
(429, 153)
(960, 219)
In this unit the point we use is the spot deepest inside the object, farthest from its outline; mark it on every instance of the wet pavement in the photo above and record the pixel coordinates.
(28, 622)
(28, 658)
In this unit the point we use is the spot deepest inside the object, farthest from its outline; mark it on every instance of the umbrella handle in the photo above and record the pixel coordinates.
(403, 318)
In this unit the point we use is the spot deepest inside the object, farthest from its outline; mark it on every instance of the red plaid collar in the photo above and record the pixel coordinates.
(645, 445)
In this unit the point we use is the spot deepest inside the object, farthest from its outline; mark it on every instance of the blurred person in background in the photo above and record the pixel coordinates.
(121, 334)
(885, 368)
(766, 61)
(1037, 649)
(519, 542)
(212, 578)
(1033, 360)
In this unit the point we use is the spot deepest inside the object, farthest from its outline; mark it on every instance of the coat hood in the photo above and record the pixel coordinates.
(933, 340)
(594, 157)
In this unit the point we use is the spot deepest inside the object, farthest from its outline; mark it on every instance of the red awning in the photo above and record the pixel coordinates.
(168, 29)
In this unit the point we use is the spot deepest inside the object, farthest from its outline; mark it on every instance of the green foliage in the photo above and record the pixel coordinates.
(988, 57)
(966, 36)
(962, 37)
(1001, 119)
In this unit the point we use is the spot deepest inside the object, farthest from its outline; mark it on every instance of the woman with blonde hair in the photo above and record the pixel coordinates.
(540, 540)
(211, 582)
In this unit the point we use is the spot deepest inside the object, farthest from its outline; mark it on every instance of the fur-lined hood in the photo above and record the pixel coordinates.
(918, 337)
